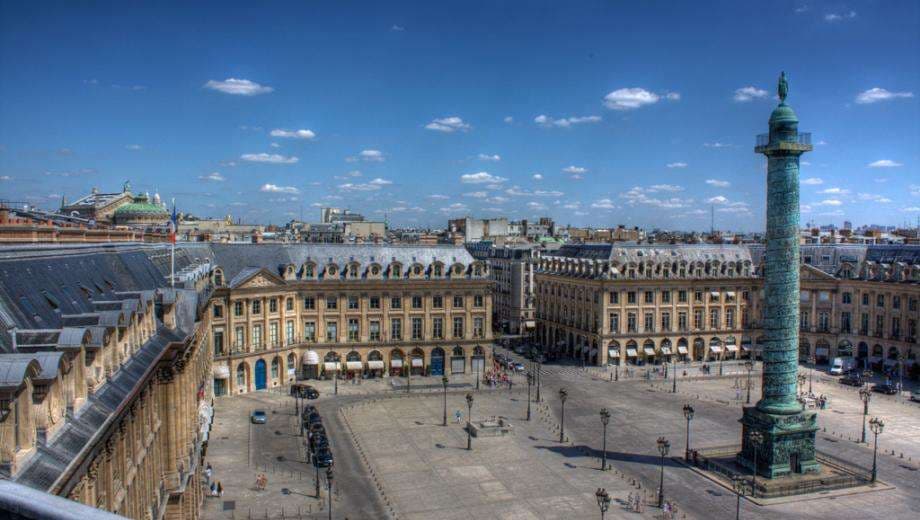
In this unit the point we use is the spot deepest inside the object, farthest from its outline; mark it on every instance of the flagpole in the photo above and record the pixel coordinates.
(172, 239)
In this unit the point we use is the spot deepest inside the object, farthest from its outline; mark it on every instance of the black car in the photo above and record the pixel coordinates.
(310, 393)
(884, 388)
(308, 410)
(322, 458)
(317, 428)
(318, 442)
(314, 418)
(851, 380)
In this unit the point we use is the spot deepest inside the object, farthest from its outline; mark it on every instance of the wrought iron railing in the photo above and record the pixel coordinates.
(801, 138)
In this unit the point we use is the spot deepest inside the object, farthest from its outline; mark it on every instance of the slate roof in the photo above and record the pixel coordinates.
(14, 368)
(48, 361)
(625, 252)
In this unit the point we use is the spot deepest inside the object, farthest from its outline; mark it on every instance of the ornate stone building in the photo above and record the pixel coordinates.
(309, 311)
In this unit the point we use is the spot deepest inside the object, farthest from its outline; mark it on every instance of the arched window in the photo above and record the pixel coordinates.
(458, 351)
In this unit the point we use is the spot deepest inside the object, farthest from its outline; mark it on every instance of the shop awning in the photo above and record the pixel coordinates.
(417, 362)
(220, 371)
(613, 353)
(331, 365)
(649, 351)
(396, 363)
(353, 365)
(530, 324)
(682, 350)
(375, 365)
(821, 351)
(310, 358)
(666, 351)
(746, 347)
(630, 352)
(715, 348)
(714, 294)
(730, 294)
(732, 347)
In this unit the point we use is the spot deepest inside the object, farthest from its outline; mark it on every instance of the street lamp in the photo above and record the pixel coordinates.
(738, 483)
(801, 380)
(409, 376)
(674, 378)
(811, 373)
(316, 467)
(562, 397)
(605, 419)
(329, 487)
(688, 414)
(750, 368)
(529, 384)
(877, 426)
(603, 501)
(865, 395)
(756, 438)
(335, 377)
(539, 376)
(444, 381)
(469, 428)
(663, 447)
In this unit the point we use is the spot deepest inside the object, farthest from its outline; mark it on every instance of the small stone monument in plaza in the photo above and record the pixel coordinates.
(778, 435)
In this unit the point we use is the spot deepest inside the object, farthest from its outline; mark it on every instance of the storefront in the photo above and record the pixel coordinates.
(309, 367)
(221, 374)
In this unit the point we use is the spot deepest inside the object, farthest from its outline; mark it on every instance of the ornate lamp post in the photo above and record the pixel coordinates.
(605, 419)
(877, 426)
(756, 439)
(329, 488)
(444, 381)
(539, 377)
(749, 365)
(811, 373)
(409, 376)
(865, 395)
(529, 384)
(603, 501)
(663, 447)
(562, 397)
(738, 483)
(688, 414)
(469, 427)
(335, 378)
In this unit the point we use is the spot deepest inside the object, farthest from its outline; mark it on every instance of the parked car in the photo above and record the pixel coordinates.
(884, 388)
(311, 393)
(308, 410)
(520, 349)
(519, 367)
(258, 417)
(915, 394)
(318, 441)
(322, 458)
(851, 379)
(317, 428)
(314, 418)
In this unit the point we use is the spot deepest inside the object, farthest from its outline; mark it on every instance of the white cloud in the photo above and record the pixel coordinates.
(876, 94)
(477, 194)
(672, 96)
(272, 158)
(537, 177)
(213, 176)
(436, 196)
(914, 190)
(454, 208)
(836, 17)
(717, 144)
(487, 157)
(872, 197)
(448, 125)
(829, 202)
(373, 185)
(535, 206)
(238, 87)
(805, 163)
(603, 204)
(5, 178)
(835, 191)
(498, 199)
(133, 147)
(574, 170)
(508, 119)
(639, 195)
(744, 94)
(717, 183)
(573, 205)
(812, 181)
(564, 122)
(912, 209)
(370, 156)
(664, 187)
(676, 165)
(718, 199)
(272, 188)
(274, 145)
(548, 193)
(481, 178)
(293, 134)
(397, 28)
(735, 207)
(884, 163)
(630, 98)
(801, 9)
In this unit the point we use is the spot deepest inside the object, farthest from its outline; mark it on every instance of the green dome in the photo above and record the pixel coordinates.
(783, 115)
(141, 207)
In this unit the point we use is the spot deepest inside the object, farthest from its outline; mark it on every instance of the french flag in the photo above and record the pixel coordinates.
(173, 224)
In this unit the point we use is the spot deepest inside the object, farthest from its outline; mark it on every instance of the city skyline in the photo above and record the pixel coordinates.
(424, 113)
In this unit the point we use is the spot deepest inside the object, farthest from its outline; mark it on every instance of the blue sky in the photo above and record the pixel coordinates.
(591, 112)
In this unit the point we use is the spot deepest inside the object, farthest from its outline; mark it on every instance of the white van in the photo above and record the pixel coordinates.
(842, 365)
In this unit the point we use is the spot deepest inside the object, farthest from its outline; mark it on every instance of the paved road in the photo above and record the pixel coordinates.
(640, 415)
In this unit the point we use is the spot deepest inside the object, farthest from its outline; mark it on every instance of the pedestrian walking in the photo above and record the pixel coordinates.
(207, 474)
(458, 415)
(220, 489)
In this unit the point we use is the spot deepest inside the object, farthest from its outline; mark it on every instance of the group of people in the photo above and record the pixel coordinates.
(498, 377)
(215, 488)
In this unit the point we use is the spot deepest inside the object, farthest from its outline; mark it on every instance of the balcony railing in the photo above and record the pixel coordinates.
(803, 138)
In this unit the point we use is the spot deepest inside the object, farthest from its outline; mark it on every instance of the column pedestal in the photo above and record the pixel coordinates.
(788, 444)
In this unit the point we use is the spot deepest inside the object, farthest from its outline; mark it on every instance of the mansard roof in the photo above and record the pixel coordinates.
(635, 253)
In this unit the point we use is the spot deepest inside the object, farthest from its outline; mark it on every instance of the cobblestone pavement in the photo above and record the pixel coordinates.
(425, 471)
(641, 413)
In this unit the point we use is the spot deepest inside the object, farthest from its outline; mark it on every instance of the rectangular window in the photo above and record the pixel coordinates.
(682, 321)
(864, 324)
(309, 331)
(714, 296)
(374, 302)
(289, 304)
(698, 319)
(614, 297)
(256, 307)
(803, 320)
(665, 296)
(681, 296)
(824, 322)
(880, 300)
(354, 330)
(256, 336)
(437, 301)
(845, 322)
(879, 325)
(273, 333)
(458, 302)
(865, 299)
(239, 335)
(666, 321)
(631, 325)
(729, 318)
(417, 328)
(332, 302)
(478, 329)
(353, 303)
(289, 332)
(218, 311)
(895, 302)
(847, 298)
(649, 322)
(396, 329)
(273, 305)
(416, 302)
(615, 323)
(649, 297)
(332, 331)
(437, 328)
(374, 332)
(458, 327)
(714, 319)
(478, 300)
(895, 328)
(309, 303)
(218, 343)
(238, 308)
(396, 302)
(631, 298)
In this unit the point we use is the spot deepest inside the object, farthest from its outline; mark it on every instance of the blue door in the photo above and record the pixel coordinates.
(437, 366)
(260, 375)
